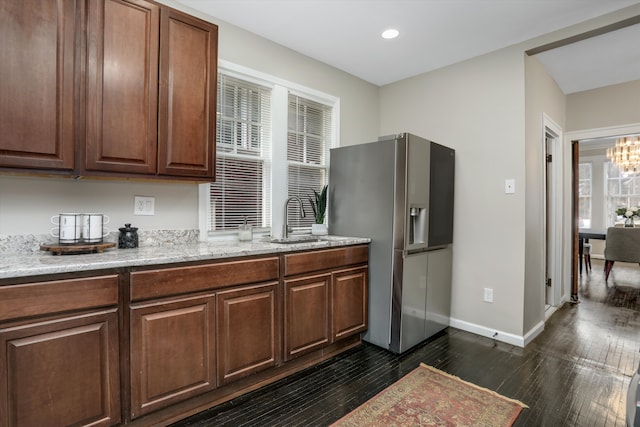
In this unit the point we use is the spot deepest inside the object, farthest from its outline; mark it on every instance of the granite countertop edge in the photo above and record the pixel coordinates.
(44, 263)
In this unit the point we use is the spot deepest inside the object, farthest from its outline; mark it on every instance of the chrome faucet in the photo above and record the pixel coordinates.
(287, 228)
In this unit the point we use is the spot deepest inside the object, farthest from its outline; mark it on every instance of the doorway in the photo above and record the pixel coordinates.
(571, 142)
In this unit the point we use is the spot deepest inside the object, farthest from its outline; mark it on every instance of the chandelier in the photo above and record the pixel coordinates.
(626, 155)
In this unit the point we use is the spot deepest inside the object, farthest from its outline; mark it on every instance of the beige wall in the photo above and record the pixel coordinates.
(543, 97)
(27, 203)
(477, 108)
(604, 107)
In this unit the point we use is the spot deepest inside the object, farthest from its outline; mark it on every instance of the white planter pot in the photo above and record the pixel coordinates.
(319, 229)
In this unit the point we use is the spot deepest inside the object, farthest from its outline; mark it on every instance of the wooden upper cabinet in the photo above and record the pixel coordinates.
(37, 52)
(151, 90)
(188, 82)
(122, 86)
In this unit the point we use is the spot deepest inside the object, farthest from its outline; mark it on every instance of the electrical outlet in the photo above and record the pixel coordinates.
(143, 205)
(488, 295)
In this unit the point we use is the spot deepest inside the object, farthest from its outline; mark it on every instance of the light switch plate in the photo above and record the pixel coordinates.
(509, 186)
(144, 205)
(488, 294)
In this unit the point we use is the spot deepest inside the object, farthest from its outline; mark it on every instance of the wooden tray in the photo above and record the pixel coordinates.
(77, 248)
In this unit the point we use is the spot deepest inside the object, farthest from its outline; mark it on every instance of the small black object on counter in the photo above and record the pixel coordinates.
(128, 237)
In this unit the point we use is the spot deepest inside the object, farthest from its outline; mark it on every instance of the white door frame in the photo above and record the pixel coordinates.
(567, 199)
(555, 188)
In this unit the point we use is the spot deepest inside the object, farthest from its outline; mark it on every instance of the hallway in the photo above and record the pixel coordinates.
(575, 373)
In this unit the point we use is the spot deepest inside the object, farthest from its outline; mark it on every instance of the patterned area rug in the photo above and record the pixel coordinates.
(429, 397)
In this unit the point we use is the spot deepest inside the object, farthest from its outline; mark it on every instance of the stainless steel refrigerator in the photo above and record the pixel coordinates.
(399, 191)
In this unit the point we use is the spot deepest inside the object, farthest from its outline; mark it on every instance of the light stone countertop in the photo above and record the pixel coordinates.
(21, 265)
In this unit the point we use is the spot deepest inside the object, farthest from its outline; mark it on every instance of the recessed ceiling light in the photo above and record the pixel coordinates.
(390, 34)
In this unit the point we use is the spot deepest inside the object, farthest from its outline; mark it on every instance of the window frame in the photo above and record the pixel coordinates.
(305, 165)
(279, 127)
(610, 208)
(261, 155)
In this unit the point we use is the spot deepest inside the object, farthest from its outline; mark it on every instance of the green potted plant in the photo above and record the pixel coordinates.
(319, 206)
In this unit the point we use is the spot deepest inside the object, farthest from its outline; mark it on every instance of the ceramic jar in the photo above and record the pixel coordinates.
(128, 237)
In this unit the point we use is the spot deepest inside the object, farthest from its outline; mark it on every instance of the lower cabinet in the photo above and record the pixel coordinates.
(247, 331)
(172, 352)
(349, 302)
(307, 312)
(191, 335)
(325, 298)
(61, 372)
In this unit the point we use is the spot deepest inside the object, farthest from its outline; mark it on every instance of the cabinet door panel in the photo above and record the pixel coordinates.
(187, 110)
(37, 85)
(62, 372)
(349, 296)
(306, 322)
(172, 352)
(122, 86)
(247, 331)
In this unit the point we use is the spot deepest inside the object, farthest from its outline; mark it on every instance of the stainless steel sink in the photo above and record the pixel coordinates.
(295, 239)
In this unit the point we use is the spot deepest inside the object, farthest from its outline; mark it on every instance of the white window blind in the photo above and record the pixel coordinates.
(585, 188)
(243, 162)
(308, 144)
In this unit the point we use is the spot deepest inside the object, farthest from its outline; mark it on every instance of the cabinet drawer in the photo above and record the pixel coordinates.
(179, 280)
(306, 262)
(33, 299)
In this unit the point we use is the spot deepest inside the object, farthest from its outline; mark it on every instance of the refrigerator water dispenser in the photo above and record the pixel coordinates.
(417, 225)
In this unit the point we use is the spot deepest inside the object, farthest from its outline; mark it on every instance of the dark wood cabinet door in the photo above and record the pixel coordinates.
(122, 86)
(349, 297)
(188, 82)
(172, 352)
(37, 49)
(306, 314)
(61, 372)
(248, 334)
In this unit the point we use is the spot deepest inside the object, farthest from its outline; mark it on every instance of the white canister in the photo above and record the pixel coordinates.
(69, 228)
(93, 229)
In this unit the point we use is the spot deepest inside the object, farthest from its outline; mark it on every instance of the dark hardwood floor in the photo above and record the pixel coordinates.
(575, 373)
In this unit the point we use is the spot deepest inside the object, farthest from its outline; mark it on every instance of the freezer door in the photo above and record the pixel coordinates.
(438, 311)
(414, 300)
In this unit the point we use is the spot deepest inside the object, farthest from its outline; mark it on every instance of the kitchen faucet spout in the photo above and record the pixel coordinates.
(287, 228)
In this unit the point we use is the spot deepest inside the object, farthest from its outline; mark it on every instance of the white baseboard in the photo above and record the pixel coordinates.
(533, 332)
(519, 341)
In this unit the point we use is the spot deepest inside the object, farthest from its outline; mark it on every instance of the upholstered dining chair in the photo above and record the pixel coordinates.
(622, 244)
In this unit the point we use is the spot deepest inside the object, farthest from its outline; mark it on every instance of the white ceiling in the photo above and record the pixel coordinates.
(436, 33)
(599, 61)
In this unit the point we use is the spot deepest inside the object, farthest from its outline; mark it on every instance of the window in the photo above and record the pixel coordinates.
(273, 141)
(243, 155)
(308, 143)
(620, 191)
(585, 178)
